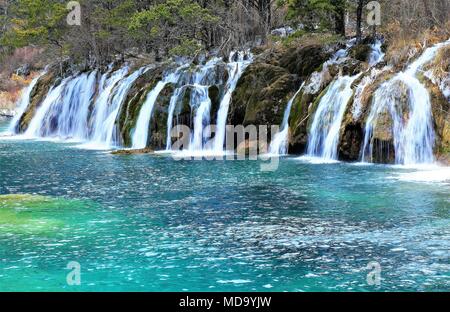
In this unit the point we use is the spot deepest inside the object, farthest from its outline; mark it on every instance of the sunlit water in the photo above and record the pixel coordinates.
(150, 223)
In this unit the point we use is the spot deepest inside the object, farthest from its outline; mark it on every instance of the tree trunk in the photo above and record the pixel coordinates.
(359, 13)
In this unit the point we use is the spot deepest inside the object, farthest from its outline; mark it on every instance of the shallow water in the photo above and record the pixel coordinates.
(150, 223)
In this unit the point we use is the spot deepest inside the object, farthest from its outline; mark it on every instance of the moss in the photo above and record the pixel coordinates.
(262, 95)
(158, 125)
(440, 108)
(136, 97)
(37, 96)
(133, 152)
(361, 52)
(215, 94)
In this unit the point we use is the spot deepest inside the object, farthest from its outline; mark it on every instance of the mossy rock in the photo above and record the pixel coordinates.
(215, 94)
(133, 152)
(261, 95)
(361, 52)
(129, 111)
(303, 61)
(183, 113)
(37, 96)
(440, 108)
(158, 124)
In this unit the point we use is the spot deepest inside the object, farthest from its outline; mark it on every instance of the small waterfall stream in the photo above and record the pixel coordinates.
(280, 142)
(172, 105)
(23, 104)
(54, 95)
(413, 135)
(101, 107)
(235, 69)
(324, 134)
(141, 132)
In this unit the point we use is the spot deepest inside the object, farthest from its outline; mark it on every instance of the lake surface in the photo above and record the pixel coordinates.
(151, 223)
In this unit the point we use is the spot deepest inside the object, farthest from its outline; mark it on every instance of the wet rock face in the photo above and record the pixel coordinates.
(440, 107)
(37, 96)
(158, 124)
(129, 111)
(133, 152)
(267, 85)
(361, 52)
(352, 140)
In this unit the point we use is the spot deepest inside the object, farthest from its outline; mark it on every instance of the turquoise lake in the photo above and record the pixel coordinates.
(151, 223)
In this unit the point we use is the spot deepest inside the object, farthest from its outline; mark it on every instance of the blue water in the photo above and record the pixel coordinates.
(150, 223)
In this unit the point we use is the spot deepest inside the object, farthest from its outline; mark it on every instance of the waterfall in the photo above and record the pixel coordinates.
(101, 106)
(141, 131)
(413, 135)
(23, 104)
(64, 111)
(173, 103)
(235, 69)
(324, 134)
(279, 144)
(317, 78)
(54, 94)
(377, 55)
(200, 96)
(200, 103)
(104, 135)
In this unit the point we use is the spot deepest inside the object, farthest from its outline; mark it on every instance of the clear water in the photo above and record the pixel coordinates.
(150, 223)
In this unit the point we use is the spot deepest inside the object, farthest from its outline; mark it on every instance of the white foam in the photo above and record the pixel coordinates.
(438, 174)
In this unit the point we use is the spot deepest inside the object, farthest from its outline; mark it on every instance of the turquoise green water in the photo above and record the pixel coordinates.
(150, 223)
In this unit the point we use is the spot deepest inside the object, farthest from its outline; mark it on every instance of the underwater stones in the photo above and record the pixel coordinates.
(31, 214)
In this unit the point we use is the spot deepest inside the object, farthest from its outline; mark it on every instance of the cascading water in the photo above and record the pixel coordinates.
(172, 105)
(235, 69)
(317, 78)
(115, 102)
(324, 134)
(377, 55)
(54, 95)
(413, 136)
(23, 104)
(279, 144)
(101, 106)
(200, 96)
(141, 131)
(66, 117)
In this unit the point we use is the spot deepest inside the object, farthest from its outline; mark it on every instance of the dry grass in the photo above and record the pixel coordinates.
(404, 46)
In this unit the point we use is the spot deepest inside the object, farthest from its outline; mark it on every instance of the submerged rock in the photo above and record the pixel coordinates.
(133, 151)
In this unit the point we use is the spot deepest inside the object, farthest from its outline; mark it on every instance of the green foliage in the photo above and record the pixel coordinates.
(187, 47)
(314, 14)
(177, 23)
(35, 22)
